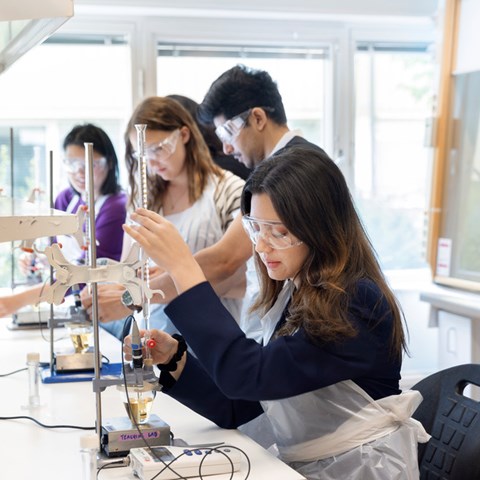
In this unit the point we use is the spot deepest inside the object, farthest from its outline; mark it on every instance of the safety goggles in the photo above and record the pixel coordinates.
(274, 234)
(75, 165)
(162, 150)
(230, 130)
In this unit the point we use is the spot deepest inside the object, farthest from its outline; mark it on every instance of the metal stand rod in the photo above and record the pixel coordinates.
(52, 314)
(12, 187)
(92, 258)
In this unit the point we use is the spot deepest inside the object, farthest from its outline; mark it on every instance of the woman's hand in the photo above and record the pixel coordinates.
(164, 245)
(163, 351)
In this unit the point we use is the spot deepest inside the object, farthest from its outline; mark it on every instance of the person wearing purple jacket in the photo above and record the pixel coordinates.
(110, 205)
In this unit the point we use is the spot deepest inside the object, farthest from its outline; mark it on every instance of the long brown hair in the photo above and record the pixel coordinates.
(311, 197)
(160, 113)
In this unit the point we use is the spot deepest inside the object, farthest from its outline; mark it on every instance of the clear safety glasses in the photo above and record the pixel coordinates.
(75, 165)
(162, 150)
(229, 131)
(274, 234)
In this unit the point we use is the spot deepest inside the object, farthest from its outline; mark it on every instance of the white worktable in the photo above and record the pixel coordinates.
(31, 452)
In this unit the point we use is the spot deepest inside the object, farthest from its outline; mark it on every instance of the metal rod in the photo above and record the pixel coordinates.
(92, 258)
(52, 313)
(12, 178)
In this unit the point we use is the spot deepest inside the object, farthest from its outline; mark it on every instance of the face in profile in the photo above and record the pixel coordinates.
(239, 140)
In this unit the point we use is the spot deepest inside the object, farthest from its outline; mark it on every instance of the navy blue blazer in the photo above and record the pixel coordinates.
(232, 373)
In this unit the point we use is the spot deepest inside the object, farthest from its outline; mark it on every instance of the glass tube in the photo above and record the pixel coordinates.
(33, 367)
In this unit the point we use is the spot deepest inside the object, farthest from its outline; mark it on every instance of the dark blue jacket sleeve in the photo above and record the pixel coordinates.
(196, 390)
(242, 369)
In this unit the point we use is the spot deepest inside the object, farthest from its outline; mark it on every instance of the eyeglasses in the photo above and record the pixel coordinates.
(75, 165)
(230, 130)
(162, 150)
(274, 234)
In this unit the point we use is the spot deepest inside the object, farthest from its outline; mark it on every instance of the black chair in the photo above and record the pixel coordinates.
(453, 421)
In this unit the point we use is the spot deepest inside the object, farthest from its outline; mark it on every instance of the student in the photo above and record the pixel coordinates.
(327, 372)
(227, 162)
(110, 204)
(247, 109)
(185, 186)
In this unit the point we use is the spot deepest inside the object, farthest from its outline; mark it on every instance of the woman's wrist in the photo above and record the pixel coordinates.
(180, 366)
(187, 276)
(170, 372)
(171, 365)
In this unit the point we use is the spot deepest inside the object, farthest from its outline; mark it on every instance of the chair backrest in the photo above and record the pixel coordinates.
(453, 421)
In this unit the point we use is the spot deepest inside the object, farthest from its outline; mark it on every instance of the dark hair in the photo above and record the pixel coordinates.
(166, 114)
(208, 131)
(88, 133)
(311, 197)
(239, 89)
(227, 162)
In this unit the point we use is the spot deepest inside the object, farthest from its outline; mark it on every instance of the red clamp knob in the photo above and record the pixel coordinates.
(151, 343)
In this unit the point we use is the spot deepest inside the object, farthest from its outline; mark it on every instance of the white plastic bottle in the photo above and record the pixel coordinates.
(89, 445)
(33, 366)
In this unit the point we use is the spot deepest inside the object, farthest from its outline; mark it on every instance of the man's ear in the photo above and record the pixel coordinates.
(258, 118)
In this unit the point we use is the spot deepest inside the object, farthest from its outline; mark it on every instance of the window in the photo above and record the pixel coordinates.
(77, 79)
(393, 92)
(303, 76)
(462, 184)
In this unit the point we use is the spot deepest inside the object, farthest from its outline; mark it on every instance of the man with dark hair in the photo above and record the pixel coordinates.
(247, 110)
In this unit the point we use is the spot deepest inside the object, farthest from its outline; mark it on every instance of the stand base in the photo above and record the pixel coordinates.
(31, 317)
(108, 369)
(119, 435)
(75, 362)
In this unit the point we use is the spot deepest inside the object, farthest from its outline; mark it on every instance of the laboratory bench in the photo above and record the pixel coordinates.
(29, 451)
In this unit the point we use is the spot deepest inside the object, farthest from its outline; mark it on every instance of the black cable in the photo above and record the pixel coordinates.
(24, 417)
(15, 371)
(113, 464)
(41, 364)
(210, 450)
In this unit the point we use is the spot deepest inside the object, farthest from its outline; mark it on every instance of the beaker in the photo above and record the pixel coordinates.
(138, 401)
(81, 335)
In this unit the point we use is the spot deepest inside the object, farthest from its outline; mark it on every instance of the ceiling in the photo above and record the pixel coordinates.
(315, 9)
